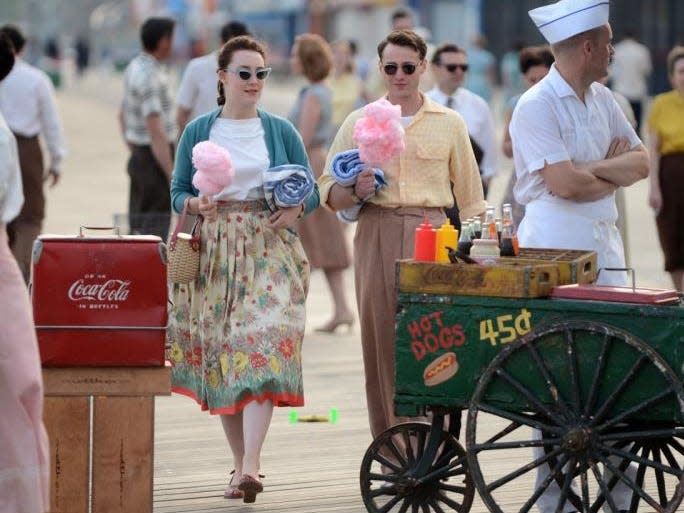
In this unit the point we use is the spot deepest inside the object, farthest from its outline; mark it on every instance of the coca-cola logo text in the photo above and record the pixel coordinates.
(109, 290)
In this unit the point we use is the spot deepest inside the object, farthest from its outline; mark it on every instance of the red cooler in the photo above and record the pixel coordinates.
(100, 301)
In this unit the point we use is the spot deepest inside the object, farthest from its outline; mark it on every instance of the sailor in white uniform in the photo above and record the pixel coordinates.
(573, 147)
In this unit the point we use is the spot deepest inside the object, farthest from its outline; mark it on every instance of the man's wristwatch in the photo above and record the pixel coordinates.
(355, 198)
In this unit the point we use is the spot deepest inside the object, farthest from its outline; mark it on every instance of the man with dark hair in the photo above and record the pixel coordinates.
(27, 102)
(402, 19)
(450, 67)
(437, 152)
(149, 130)
(197, 90)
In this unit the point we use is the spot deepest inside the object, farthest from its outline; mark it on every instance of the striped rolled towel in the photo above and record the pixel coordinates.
(287, 186)
(345, 167)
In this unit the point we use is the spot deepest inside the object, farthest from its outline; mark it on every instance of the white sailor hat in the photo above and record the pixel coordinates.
(567, 18)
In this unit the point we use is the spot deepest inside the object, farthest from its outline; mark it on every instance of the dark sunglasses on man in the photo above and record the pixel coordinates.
(245, 74)
(409, 68)
(451, 68)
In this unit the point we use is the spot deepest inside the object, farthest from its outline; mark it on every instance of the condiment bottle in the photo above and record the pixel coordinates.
(508, 220)
(464, 240)
(485, 251)
(424, 246)
(447, 236)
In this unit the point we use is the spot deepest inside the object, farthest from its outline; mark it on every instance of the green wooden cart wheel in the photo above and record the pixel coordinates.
(589, 390)
(391, 479)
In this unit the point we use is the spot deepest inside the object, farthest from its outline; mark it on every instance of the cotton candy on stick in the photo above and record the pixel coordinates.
(379, 133)
(214, 168)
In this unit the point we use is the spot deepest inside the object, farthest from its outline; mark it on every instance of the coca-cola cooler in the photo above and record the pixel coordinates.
(100, 300)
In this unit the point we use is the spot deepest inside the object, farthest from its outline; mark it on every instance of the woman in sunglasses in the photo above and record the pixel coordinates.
(236, 332)
(322, 233)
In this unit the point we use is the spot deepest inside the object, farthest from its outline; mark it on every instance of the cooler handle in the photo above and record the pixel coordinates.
(113, 229)
(624, 269)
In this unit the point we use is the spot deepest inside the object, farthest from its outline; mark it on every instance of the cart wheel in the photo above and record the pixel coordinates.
(588, 389)
(389, 473)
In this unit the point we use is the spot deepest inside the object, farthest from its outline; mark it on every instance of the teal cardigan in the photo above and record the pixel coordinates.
(283, 142)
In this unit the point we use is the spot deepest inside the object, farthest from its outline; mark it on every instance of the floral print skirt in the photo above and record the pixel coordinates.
(235, 334)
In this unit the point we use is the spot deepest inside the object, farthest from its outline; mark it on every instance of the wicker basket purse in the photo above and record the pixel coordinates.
(184, 251)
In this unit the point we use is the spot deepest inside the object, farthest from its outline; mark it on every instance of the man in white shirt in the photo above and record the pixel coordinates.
(148, 127)
(629, 72)
(450, 67)
(573, 148)
(197, 90)
(27, 102)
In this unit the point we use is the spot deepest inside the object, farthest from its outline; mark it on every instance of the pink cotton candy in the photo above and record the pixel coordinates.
(214, 167)
(379, 133)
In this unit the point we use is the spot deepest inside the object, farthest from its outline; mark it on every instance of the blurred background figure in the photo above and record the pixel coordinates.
(511, 78)
(149, 129)
(197, 91)
(666, 148)
(534, 63)
(322, 234)
(450, 66)
(52, 61)
(482, 69)
(24, 459)
(346, 86)
(82, 49)
(630, 71)
(27, 102)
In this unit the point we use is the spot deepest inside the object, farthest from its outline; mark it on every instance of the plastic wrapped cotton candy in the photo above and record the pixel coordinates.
(379, 133)
(214, 168)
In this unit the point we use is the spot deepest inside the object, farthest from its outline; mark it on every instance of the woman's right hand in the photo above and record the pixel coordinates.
(208, 208)
(655, 199)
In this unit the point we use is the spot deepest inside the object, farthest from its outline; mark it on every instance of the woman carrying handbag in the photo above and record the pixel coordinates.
(235, 346)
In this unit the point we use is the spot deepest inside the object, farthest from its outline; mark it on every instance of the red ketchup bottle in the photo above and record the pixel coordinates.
(424, 248)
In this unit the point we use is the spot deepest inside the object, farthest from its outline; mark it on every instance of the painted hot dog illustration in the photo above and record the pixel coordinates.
(440, 370)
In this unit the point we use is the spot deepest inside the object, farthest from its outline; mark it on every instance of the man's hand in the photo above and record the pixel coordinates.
(365, 184)
(208, 208)
(618, 146)
(285, 217)
(52, 177)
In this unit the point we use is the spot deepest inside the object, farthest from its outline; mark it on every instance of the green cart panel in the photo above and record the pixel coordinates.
(444, 343)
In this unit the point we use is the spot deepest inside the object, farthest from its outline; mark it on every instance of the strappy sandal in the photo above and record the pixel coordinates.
(231, 491)
(250, 486)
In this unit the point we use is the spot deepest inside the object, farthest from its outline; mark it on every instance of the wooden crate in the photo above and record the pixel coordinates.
(119, 431)
(513, 279)
(574, 266)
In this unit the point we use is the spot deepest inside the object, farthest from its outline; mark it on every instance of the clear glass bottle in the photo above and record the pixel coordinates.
(509, 227)
(489, 225)
(465, 239)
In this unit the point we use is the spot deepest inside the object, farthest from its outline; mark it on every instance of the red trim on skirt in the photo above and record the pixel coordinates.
(277, 399)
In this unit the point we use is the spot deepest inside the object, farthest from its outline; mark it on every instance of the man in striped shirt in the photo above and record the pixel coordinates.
(149, 129)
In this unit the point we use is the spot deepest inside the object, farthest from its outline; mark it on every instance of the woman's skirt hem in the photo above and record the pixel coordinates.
(282, 399)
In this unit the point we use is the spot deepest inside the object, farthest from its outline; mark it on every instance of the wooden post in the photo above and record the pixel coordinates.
(122, 443)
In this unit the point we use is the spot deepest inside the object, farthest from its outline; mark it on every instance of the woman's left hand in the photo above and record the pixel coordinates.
(285, 217)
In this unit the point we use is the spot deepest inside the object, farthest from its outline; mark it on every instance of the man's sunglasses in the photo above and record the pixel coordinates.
(453, 67)
(245, 74)
(407, 67)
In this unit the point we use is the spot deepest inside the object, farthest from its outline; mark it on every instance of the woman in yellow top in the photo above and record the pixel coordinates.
(666, 147)
(347, 88)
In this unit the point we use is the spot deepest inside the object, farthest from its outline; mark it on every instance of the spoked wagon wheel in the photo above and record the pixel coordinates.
(402, 471)
(602, 406)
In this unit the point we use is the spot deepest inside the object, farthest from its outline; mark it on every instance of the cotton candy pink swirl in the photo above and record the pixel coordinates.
(379, 133)
(214, 167)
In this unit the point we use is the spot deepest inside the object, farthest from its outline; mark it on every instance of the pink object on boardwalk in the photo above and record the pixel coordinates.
(379, 133)
(24, 454)
(214, 167)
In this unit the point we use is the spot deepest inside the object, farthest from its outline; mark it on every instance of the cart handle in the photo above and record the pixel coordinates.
(113, 229)
(630, 269)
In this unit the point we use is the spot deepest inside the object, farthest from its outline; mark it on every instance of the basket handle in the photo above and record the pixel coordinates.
(624, 269)
(181, 222)
(113, 229)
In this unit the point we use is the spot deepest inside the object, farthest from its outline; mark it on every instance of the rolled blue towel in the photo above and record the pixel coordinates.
(344, 168)
(287, 186)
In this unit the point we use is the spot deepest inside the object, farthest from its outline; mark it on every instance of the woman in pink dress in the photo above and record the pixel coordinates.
(24, 472)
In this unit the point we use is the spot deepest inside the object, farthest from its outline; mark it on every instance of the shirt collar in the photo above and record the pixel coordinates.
(441, 97)
(561, 87)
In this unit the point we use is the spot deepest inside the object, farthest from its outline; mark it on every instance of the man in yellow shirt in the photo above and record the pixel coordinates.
(438, 152)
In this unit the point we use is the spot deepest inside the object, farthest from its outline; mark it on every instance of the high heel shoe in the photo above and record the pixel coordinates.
(332, 325)
(231, 491)
(250, 486)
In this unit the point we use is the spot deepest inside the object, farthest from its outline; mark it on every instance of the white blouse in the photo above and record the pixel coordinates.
(11, 195)
(244, 140)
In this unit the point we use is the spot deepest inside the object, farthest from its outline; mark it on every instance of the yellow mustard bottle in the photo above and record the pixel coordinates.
(447, 236)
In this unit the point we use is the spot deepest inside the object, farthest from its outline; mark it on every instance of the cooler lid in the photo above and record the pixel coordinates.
(112, 236)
